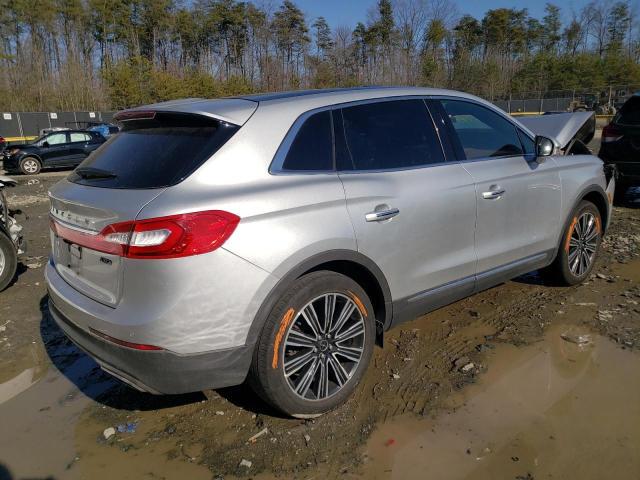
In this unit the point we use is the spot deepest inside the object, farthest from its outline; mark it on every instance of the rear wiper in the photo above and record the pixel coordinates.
(90, 172)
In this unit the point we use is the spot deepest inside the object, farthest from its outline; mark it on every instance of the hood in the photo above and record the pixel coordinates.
(562, 128)
(20, 146)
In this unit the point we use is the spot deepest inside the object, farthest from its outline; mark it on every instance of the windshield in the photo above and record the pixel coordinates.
(154, 153)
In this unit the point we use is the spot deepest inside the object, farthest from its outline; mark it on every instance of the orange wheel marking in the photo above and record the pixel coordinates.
(568, 240)
(359, 303)
(284, 323)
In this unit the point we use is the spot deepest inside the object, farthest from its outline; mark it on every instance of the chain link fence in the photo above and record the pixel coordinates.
(603, 99)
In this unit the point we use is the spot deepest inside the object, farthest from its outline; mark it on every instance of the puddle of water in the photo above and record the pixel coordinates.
(555, 409)
(153, 460)
(37, 438)
(17, 384)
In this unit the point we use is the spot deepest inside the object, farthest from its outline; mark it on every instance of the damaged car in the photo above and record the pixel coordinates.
(275, 238)
(621, 143)
(12, 241)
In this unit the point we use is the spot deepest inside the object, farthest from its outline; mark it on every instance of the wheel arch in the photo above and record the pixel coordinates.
(594, 194)
(350, 263)
(32, 155)
(599, 198)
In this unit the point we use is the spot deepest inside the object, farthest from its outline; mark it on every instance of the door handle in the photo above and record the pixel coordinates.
(381, 215)
(493, 194)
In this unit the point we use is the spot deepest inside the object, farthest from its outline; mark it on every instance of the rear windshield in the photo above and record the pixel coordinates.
(630, 112)
(154, 153)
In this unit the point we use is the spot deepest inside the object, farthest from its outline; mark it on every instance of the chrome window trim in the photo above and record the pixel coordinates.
(278, 160)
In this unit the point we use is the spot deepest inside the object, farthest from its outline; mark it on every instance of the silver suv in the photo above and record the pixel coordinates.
(277, 237)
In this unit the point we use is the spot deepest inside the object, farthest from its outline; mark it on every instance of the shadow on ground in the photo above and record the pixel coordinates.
(629, 198)
(81, 370)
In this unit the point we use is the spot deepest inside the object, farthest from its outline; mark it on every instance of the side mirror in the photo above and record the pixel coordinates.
(544, 148)
(45, 144)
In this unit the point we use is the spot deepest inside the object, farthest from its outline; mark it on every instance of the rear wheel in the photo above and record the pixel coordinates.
(579, 247)
(30, 165)
(8, 261)
(315, 345)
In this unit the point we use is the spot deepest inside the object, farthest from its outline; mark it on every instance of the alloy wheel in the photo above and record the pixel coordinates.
(323, 346)
(583, 243)
(30, 166)
(3, 261)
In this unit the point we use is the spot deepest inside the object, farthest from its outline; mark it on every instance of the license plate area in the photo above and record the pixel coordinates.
(96, 274)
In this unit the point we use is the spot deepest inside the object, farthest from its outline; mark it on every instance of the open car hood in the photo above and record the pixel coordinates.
(562, 128)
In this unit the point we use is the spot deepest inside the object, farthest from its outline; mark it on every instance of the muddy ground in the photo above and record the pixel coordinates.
(55, 403)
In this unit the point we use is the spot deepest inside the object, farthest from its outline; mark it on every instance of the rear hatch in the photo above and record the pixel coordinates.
(154, 151)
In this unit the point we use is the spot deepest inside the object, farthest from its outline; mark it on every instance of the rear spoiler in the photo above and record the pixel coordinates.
(563, 128)
(230, 110)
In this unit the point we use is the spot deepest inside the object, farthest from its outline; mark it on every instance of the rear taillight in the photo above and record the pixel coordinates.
(611, 133)
(156, 238)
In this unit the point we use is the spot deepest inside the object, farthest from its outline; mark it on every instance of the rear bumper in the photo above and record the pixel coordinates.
(160, 372)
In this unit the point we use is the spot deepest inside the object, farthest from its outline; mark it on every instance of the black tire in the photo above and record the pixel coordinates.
(26, 166)
(267, 376)
(8, 261)
(560, 271)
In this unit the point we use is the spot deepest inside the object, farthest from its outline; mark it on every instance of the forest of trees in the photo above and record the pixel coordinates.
(111, 54)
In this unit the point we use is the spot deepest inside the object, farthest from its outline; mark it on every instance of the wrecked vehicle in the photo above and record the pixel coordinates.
(621, 143)
(276, 237)
(11, 239)
(571, 132)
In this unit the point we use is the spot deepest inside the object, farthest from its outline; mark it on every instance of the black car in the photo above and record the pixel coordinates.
(65, 148)
(621, 143)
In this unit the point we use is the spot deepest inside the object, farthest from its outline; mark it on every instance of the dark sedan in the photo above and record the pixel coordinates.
(621, 143)
(54, 150)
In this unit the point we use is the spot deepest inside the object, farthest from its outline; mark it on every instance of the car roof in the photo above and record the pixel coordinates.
(265, 97)
(239, 109)
(68, 130)
(332, 96)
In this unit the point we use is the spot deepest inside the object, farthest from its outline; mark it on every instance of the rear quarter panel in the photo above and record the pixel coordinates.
(285, 218)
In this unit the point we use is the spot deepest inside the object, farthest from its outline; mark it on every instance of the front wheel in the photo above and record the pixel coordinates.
(8, 261)
(579, 247)
(315, 345)
(30, 165)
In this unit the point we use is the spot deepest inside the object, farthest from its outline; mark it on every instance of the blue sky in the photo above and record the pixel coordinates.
(349, 12)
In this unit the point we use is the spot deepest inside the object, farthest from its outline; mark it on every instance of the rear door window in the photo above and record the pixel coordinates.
(155, 153)
(79, 137)
(311, 149)
(482, 132)
(386, 135)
